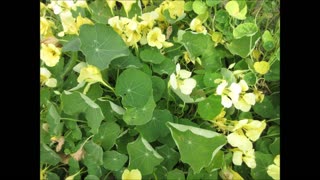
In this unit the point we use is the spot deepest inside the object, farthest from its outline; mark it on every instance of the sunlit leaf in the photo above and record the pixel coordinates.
(101, 44)
(142, 156)
(191, 140)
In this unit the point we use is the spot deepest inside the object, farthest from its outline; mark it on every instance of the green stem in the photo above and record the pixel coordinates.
(271, 135)
(72, 62)
(107, 175)
(274, 119)
(108, 86)
(74, 120)
(155, 176)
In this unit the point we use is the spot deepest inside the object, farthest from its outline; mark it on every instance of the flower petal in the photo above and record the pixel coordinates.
(45, 72)
(274, 171)
(242, 105)
(178, 68)
(77, 68)
(244, 85)
(254, 129)
(187, 86)
(237, 158)
(225, 101)
(52, 82)
(221, 87)
(184, 74)
(173, 81)
(238, 139)
(277, 160)
(249, 159)
(235, 88)
(250, 98)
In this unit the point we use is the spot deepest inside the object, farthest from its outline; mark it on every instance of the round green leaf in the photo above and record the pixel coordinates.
(52, 176)
(191, 140)
(48, 156)
(245, 29)
(222, 16)
(262, 145)
(151, 55)
(176, 175)
(158, 86)
(171, 157)
(275, 146)
(199, 7)
(142, 156)
(94, 154)
(217, 162)
(212, 2)
(72, 45)
(210, 107)
(114, 161)
(166, 67)
(140, 116)
(135, 87)
(91, 177)
(126, 62)
(101, 44)
(195, 43)
(262, 161)
(243, 46)
(274, 72)
(188, 6)
(100, 12)
(95, 91)
(265, 108)
(250, 78)
(157, 126)
(107, 135)
(209, 78)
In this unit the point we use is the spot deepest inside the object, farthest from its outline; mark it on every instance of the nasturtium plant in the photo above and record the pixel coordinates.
(171, 89)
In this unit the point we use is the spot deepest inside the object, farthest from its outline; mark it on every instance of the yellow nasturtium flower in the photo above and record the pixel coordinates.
(45, 79)
(238, 139)
(90, 74)
(247, 156)
(43, 9)
(261, 67)
(59, 6)
(68, 23)
(182, 81)
(253, 128)
(81, 20)
(196, 25)
(236, 94)
(274, 169)
(148, 19)
(111, 4)
(46, 27)
(259, 95)
(50, 54)
(229, 94)
(134, 174)
(127, 4)
(176, 9)
(156, 38)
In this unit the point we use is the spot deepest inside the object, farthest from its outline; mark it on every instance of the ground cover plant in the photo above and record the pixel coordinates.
(151, 89)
